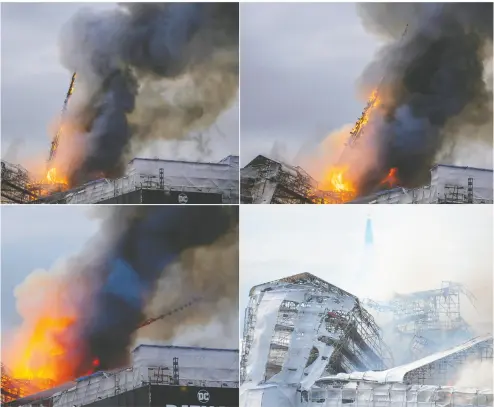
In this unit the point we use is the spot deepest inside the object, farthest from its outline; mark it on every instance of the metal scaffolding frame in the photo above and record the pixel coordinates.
(360, 344)
(17, 185)
(422, 315)
(13, 389)
(353, 334)
(444, 370)
(264, 179)
(388, 395)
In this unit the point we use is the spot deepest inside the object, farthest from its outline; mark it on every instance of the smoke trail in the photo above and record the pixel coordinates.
(146, 71)
(99, 297)
(433, 78)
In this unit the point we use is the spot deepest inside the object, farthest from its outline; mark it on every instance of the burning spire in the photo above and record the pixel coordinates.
(148, 71)
(358, 128)
(85, 315)
(432, 87)
(56, 139)
(373, 102)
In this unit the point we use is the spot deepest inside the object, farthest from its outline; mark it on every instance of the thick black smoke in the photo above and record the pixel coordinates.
(116, 53)
(433, 75)
(139, 255)
(147, 239)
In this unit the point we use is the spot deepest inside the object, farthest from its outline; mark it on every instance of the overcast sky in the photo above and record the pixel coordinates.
(35, 237)
(415, 247)
(299, 67)
(34, 85)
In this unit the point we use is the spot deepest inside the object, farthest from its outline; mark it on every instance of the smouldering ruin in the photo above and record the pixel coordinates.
(309, 343)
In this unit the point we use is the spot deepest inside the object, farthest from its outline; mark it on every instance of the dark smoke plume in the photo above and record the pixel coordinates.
(147, 71)
(112, 282)
(432, 78)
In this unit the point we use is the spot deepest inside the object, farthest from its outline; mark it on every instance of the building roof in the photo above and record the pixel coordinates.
(305, 279)
(460, 167)
(182, 347)
(397, 374)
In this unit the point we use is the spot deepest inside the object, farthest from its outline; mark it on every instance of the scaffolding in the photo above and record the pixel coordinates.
(389, 395)
(154, 366)
(426, 317)
(455, 194)
(17, 185)
(444, 370)
(360, 344)
(267, 181)
(156, 181)
(13, 389)
(316, 328)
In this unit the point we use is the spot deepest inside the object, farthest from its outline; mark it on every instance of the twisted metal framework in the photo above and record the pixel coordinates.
(13, 389)
(278, 183)
(17, 185)
(56, 139)
(360, 344)
(444, 371)
(425, 315)
(351, 332)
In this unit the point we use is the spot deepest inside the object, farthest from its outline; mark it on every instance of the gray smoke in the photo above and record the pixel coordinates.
(146, 71)
(169, 254)
(210, 273)
(434, 85)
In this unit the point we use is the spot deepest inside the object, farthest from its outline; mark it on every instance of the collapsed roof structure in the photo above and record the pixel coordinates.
(301, 327)
(146, 181)
(309, 343)
(159, 375)
(428, 319)
(437, 369)
(267, 181)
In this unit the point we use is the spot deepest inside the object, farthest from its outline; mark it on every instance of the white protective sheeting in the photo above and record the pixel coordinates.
(267, 313)
(397, 374)
(184, 176)
(293, 331)
(397, 395)
(442, 176)
(219, 365)
(307, 327)
(268, 395)
(200, 367)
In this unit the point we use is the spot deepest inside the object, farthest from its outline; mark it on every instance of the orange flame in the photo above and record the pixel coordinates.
(372, 103)
(342, 177)
(47, 349)
(392, 178)
(43, 359)
(53, 178)
(337, 180)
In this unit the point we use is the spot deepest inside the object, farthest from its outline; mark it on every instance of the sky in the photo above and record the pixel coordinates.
(36, 237)
(34, 85)
(299, 67)
(415, 248)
